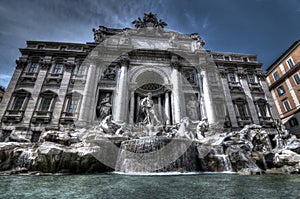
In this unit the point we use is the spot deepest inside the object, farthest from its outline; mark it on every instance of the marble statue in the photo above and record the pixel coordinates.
(147, 106)
(109, 73)
(149, 20)
(202, 127)
(192, 108)
(184, 130)
(105, 107)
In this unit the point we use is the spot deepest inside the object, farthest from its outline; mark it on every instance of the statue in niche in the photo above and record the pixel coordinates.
(109, 73)
(147, 106)
(104, 107)
(192, 108)
(189, 76)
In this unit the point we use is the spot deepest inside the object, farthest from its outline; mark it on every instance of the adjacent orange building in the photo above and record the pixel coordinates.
(283, 79)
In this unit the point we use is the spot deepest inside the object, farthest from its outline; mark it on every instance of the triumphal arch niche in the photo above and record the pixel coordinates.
(148, 75)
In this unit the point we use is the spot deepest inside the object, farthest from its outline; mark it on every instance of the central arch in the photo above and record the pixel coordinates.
(150, 80)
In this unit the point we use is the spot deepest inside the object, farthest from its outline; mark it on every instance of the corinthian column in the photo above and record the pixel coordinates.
(121, 95)
(176, 80)
(131, 111)
(210, 113)
(88, 94)
(167, 107)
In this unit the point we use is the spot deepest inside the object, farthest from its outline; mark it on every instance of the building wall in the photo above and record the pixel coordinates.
(63, 76)
(288, 82)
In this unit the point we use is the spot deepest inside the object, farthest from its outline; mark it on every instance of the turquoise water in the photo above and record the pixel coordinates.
(142, 187)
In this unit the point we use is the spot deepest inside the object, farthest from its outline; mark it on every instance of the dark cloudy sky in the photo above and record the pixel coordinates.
(262, 27)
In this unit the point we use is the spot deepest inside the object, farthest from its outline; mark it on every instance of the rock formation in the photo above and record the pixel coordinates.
(104, 149)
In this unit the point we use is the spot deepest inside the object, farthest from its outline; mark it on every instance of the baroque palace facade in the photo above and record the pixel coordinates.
(60, 85)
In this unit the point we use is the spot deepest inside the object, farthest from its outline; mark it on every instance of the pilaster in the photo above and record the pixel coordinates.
(62, 93)
(11, 87)
(249, 98)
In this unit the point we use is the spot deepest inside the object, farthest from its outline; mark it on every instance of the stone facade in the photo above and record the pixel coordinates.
(283, 79)
(61, 85)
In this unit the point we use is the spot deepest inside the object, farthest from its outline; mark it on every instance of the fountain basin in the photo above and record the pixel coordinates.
(157, 154)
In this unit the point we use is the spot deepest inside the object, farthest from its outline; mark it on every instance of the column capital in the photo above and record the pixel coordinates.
(124, 59)
(174, 62)
(45, 64)
(69, 66)
(242, 75)
(21, 63)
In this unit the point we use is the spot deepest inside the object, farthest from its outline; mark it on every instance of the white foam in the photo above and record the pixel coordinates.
(171, 173)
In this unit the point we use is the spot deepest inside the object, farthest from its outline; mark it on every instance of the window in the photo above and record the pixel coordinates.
(45, 104)
(231, 77)
(33, 68)
(262, 110)
(297, 78)
(290, 62)
(18, 103)
(81, 70)
(227, 58)
(57, 69)
(293, 122)
(245, 59)
(72, 105)
(280, 90)
(276, 76)
(242, 111)
(251, 79)
(286, 104)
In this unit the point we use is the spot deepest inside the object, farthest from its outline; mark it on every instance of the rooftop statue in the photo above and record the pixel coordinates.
(149, 20)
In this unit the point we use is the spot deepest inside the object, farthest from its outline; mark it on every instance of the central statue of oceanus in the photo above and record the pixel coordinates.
(148, 109)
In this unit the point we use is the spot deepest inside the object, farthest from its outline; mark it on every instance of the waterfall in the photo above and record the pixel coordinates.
(222, 159)
(25, 159)
(157, 154)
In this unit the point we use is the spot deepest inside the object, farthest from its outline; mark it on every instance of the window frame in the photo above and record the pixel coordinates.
(290, 61)
(44, 99)
(20, 103)
(46, 96)
(24, 94)
(277, 89)
(32, 69)
(252, 76)
(71, 99)
(81, 70)
(293, 122)
(288, 103)
(275, 77)
(54, 70)
(234, 76)
(297, 83)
